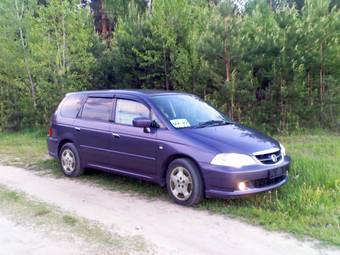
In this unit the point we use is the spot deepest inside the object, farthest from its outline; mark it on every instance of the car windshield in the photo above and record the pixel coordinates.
(185, 111)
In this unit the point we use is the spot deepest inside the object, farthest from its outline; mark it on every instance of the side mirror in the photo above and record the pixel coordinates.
(142, 122)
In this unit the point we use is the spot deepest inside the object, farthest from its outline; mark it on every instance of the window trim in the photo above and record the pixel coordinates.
(80, 114)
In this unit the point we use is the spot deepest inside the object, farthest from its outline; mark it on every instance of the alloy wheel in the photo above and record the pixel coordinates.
(68, 161)
(181, 183)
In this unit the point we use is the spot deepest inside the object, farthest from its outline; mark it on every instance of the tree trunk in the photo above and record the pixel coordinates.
(2, 107)
(24, 48)
(102, 22)
(271, 6)
(231, 112)
(282, 107)
(321, 83)
(167, 85)
(232, 92)
(227, 70)
(309, 87)
(63, 54)
(149, 4)
(321, 90)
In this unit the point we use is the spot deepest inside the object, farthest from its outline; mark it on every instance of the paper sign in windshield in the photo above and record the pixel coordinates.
(180, 123)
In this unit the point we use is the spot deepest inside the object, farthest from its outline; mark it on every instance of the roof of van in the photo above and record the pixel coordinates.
(128, 91)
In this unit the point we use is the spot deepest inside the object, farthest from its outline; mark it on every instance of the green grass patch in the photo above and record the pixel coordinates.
(23, 149)
(69, 220)
(308, 205)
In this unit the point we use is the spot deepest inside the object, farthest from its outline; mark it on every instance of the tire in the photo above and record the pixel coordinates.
(181, 172)
(69, 160)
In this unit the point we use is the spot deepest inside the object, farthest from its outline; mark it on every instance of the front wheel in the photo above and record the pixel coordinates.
(69, 160)
(184, 182)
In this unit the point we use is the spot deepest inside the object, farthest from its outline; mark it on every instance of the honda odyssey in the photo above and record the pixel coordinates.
(172, 139)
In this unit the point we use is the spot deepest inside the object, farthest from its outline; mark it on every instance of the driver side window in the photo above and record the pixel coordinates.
(127, 110)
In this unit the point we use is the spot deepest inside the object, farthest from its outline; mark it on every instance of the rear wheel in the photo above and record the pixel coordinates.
(184, 182)
(69, 160)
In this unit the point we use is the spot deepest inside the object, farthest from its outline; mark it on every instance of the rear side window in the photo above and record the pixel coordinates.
(96, 108)
(127, 110)
(71, 106)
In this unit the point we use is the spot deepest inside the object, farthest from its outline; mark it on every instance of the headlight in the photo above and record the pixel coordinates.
(233, 160)
(283, 150)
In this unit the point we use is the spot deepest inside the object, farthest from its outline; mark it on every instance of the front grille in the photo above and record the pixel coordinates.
(270, 158)
(260, 183)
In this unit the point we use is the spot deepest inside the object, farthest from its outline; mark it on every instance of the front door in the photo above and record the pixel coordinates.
(134, 149)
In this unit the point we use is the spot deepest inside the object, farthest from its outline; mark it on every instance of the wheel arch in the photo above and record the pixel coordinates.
(61, 144)
(173, 157)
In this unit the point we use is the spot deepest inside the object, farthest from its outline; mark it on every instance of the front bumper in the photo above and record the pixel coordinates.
(222, 182)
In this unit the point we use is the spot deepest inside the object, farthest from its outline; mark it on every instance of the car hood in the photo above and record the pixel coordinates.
(231, 138)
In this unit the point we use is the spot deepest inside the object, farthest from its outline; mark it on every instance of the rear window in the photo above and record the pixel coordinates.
(71, 106)
(96, 108)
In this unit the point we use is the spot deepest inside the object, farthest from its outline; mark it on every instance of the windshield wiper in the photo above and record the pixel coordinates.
(213, 123)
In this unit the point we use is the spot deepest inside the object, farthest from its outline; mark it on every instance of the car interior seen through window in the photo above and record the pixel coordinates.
(71, 106)
(186, 110)
(127, 110)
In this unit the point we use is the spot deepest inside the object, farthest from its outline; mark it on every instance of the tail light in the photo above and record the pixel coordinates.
(50, 132)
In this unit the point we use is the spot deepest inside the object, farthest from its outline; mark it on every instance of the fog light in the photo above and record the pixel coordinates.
(242, 186)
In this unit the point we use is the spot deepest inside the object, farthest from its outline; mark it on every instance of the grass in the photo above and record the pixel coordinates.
(37, 215)
(309, 205)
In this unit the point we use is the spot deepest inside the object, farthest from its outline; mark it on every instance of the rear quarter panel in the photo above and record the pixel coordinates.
(64, 131)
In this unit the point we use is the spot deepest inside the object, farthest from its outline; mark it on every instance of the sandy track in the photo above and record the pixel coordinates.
(16, 239)
(170, 229)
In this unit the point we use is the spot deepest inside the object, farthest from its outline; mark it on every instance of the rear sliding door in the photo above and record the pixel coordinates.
(93, 132)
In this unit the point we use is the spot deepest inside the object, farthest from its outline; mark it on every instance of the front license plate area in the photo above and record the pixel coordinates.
(277, 172)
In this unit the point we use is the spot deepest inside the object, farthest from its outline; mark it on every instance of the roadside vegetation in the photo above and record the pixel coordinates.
(309, 205)
(65, 226)
(273, 64)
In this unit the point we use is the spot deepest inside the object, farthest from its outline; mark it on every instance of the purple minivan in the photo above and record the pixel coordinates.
(173, 139)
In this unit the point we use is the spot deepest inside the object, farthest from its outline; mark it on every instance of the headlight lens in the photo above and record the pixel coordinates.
(233, 160)
(283, 150)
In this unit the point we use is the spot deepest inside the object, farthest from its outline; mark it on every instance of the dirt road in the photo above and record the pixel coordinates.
(15, 239)
(168, 228)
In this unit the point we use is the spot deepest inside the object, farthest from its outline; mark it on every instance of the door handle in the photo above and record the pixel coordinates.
(115, 135)
(77, 129)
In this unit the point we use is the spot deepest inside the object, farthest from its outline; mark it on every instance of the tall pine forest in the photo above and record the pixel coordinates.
(269, 64)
